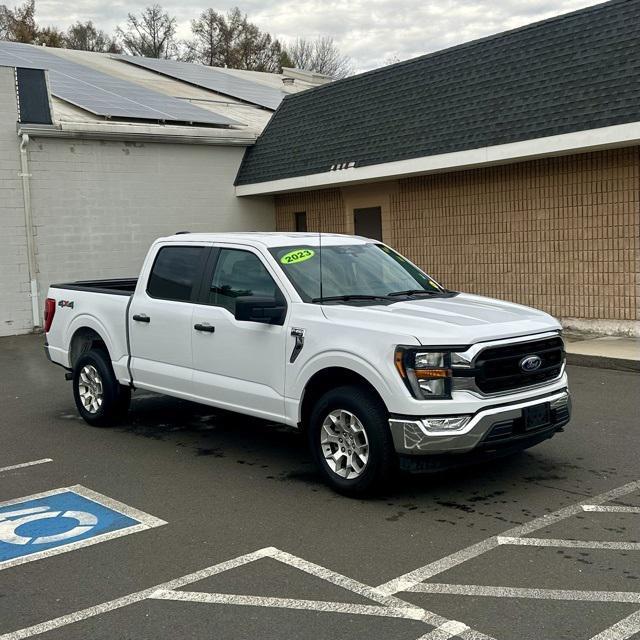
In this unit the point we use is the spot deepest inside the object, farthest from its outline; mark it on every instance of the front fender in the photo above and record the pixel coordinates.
(344, 360)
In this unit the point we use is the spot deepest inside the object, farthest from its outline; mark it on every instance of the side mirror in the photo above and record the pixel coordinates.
(265, 310)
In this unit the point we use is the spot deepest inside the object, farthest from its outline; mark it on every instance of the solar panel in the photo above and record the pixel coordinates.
(214, 79)
(105, 95)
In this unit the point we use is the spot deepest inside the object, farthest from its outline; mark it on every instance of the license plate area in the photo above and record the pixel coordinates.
(539, 415)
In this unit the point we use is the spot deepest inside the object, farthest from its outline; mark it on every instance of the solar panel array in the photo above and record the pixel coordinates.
(105, 95)
(214, 79)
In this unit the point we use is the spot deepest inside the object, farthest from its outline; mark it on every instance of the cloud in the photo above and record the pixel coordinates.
(369, 31)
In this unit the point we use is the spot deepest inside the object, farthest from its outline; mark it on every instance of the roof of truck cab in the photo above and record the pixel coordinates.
(268, 239)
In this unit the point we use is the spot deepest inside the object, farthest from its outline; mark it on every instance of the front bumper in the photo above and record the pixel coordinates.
(490, 429)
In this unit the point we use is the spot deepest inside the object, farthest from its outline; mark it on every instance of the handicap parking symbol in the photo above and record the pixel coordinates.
(62, 520)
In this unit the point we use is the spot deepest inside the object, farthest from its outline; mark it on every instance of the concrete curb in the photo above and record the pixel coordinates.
(603, 362)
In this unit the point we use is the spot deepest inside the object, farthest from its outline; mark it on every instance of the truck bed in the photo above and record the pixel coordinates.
(117, 286)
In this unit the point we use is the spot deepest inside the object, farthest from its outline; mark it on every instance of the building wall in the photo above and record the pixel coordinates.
(561, 234)
(97, 206)
(15, 301)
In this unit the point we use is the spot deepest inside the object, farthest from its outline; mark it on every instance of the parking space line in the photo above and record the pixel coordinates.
(403, 582)
(448, 630)
(357, 587)
(518, 592)
(622, 630)
(411, 613)
(610, 508)
(391, 607)
(25, 464)
(574, 544)
(132, 598)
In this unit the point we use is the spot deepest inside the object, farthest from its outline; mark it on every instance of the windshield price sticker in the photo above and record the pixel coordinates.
(297, 255)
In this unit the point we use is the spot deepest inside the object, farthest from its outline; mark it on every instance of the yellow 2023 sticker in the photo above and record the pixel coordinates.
(297, 255)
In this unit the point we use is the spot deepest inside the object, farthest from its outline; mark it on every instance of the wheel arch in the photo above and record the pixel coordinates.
(329, 378)
(83, 340)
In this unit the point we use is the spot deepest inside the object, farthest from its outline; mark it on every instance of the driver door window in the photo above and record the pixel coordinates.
(239, 273)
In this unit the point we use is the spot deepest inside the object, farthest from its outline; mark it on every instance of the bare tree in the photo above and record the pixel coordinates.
(320, 55)
(84, 36)
(19, 24)
(151, 34)
(232, 41)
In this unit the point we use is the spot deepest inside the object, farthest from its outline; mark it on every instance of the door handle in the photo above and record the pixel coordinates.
(141, 317)
(204, 327)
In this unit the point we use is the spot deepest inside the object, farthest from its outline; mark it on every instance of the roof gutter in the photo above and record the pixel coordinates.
(138, 133)
(564, 144)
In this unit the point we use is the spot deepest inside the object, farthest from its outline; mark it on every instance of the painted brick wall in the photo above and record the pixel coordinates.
(97, 206)
(561, 234)
(15, 301)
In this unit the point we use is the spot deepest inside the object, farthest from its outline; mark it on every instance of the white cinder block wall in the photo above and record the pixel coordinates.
(97, 206)
(15, 302)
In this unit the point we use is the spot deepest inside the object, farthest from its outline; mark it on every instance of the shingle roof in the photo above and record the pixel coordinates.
(575, 72)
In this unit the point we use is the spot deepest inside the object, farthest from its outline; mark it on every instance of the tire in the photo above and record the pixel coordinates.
(101, 400)
(331, 418)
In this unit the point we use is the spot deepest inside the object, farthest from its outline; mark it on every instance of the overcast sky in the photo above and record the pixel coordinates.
(370, 31)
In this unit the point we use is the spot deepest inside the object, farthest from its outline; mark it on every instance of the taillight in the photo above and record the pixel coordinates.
(49, 312)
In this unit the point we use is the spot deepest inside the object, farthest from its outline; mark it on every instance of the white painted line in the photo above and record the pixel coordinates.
(610, 508)
(142, 517)
(517, 592)
(622, 630)
(145, 521)
(357, 587)
(571, 544)
(132, 598)
(446, 631)
(25, 464)
(411, 612)
(403, 582)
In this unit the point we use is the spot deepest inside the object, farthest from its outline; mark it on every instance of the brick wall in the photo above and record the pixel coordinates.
(325, 211)
(561, 234)
(15, 301)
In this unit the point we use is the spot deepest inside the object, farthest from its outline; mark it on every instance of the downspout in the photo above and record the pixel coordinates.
(28, 224)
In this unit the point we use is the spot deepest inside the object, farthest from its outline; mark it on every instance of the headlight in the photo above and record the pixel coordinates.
(427, 374)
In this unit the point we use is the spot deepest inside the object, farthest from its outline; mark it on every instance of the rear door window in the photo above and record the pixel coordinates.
(176, 273)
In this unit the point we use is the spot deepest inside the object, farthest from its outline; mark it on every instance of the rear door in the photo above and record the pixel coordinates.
(160, 317)
(239, 365)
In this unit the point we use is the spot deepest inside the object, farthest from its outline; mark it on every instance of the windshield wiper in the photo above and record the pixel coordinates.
(415, 292)
(347, 297)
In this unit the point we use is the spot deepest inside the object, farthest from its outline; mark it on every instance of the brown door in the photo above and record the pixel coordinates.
(368, 222)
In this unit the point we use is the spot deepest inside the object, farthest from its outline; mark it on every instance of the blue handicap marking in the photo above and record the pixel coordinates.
(58, 519)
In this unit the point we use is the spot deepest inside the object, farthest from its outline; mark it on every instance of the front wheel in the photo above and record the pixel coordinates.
(101, 400)
(350, 440)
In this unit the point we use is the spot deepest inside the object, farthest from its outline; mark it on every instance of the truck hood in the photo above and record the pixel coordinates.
(461, 320)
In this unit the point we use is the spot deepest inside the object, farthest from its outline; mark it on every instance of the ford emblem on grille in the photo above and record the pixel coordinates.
(530, 363)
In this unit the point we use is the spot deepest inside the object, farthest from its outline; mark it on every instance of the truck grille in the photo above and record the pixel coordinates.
(498, 368)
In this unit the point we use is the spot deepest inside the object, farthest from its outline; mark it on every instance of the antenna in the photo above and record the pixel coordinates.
(320, 256)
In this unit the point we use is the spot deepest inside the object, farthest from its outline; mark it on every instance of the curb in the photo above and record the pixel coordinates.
(603, 362)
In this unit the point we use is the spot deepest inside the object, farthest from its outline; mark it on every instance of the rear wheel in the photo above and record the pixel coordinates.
(101, 400)
(350, 440)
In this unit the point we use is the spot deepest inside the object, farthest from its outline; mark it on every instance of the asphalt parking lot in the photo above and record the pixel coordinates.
(217, 526)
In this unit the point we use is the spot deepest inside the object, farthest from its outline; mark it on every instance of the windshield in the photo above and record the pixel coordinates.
(356, 270)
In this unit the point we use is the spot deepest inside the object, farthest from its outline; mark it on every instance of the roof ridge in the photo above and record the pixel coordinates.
(465, 45)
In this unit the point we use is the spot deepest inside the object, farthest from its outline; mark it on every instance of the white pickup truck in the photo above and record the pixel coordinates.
(337, 335)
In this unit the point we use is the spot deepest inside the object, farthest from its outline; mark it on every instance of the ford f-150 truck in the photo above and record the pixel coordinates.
(340, 336)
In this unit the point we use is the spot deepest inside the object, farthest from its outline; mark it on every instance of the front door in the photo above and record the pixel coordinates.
(368, 222)
(238, 365)
(160, 320)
